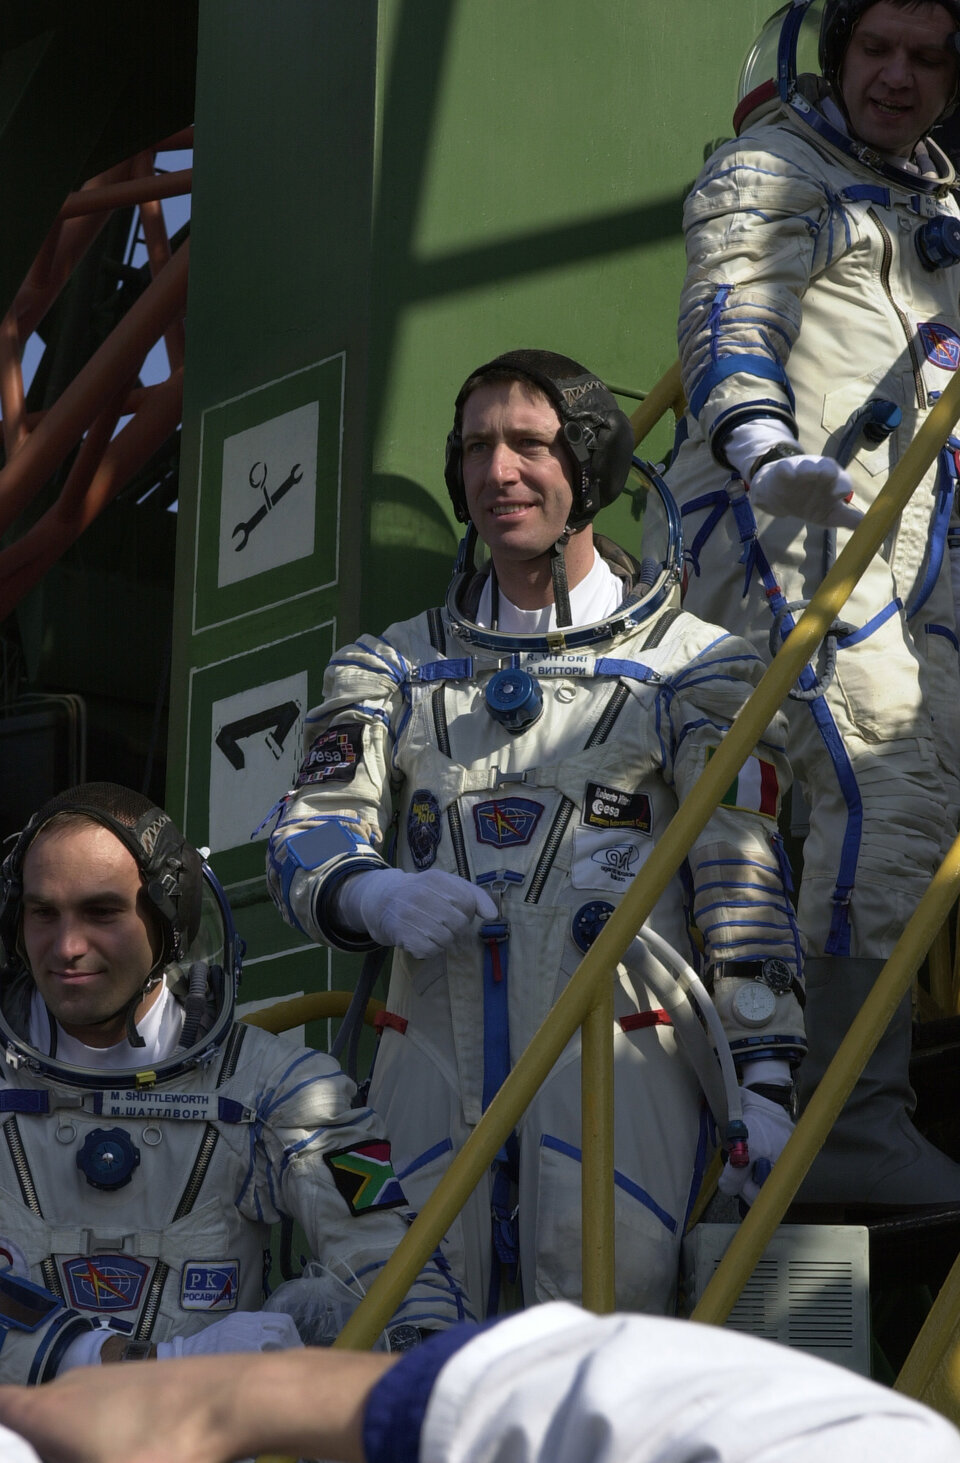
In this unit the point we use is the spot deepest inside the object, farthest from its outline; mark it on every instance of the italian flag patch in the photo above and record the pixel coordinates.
(755, 789)
(365, 1178)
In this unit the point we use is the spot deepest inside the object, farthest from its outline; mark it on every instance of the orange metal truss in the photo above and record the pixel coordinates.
(87, 411)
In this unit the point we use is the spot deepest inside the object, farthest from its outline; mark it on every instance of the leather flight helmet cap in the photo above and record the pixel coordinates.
(170, 868)
(840, 20)
(596, 433)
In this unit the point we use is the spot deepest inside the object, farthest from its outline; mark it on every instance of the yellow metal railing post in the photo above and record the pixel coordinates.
(931, 1372)
(579, 995)
(596, 1148)
(754, 1234)
(315, 1007)
(667, 394)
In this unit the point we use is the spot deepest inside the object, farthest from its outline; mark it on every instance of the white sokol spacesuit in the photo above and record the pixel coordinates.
(544, 767)
(820, 315)
(806, 297)
(142, 1198)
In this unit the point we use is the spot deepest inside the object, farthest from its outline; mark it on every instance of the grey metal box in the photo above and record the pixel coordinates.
(810, 1289)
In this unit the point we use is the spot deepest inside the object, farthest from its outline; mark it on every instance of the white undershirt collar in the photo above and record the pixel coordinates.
(160, 1029)
(598, 595)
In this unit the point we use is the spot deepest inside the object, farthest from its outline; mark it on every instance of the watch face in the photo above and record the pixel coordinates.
(404, 1338)
(778, 976)
(754, 1004)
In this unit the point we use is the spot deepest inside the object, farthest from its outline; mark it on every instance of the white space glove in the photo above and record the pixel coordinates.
(422, 913)
(242, 1331)
(768, 1128)
(816, 489)
(84, 1350)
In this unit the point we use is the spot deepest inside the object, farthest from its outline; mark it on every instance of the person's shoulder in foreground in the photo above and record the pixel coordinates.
(552, 1383)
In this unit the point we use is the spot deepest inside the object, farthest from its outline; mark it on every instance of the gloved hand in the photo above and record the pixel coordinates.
(241, 1331)
(422, 913)
(816, 489)
(768, 1128)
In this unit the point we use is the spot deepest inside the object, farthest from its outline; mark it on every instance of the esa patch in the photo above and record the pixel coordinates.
(506, 822)
(209, 1287)
(607, 807)
(334, 757)
(941, 344)
(365, 1178)
(424, 828)
(105, 1282)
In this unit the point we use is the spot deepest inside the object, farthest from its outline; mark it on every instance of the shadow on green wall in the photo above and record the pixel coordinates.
(412, 547)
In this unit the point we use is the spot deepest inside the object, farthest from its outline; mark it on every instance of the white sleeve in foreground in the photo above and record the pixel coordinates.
(556, 1385)
(13, 1449)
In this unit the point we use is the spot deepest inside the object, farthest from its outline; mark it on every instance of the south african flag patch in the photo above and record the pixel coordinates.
(755, 789)
(364, 1176)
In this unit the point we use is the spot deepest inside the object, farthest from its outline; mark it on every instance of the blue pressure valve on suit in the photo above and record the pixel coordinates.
(938, 242)
(514, 699)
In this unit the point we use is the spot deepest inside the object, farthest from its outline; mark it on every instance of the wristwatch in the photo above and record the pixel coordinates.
(404, 1338)
(774, 972)
(774, 454)
(137, 1351)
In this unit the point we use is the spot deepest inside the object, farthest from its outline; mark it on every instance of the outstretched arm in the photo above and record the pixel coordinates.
(203, 1410)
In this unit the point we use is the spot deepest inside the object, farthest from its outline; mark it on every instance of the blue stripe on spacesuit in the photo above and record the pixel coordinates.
(865, 192)
(404, 664)
(838, 940)
(630, 670)
(854, 637)
(361, 665)
(735, 365)
(706, 1140)
(422, 1159)
(620, 1179)
(445, 670)
(937, 543)
(26, 1100)
(945, 632)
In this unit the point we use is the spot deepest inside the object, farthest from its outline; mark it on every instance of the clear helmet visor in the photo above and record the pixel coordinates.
(657, 542)
(654, 539)
(210, 971)
(787, 47)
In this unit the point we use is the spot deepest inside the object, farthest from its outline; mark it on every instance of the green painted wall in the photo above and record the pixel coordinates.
(386, 193)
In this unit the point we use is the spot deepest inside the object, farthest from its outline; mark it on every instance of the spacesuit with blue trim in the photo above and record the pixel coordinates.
(817, 284)
(806, 297)
(140, 1197)
(554, 815)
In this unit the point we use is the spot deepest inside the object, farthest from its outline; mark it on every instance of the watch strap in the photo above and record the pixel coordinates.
(774, 454)
(777, 974)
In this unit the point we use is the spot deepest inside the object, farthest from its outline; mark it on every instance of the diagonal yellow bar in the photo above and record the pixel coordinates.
(597, 965)
(314, 1007)
(667, 394)
(931, 1372)
(596, 1149)
(754, 1234)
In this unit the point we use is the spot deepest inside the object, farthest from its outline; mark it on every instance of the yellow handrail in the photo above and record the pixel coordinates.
(931, 1372)
(597, 965)
(667, 394)
(838, 1081)
(317, 1006)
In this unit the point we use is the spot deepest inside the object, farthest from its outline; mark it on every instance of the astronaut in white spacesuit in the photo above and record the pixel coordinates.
(818, 324)
(147, 1139)
(532, 739)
